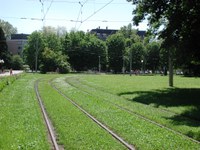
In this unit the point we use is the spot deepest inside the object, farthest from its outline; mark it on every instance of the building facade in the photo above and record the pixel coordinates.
(104, 33)
(16, 43)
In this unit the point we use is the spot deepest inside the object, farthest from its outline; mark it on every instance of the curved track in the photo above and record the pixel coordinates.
(139, 115)
(127, 145)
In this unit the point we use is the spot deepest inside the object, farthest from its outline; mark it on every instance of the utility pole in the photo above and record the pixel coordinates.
(130, 62)
(171, 69)
(36, 55)
(99, 64)
(123, 68)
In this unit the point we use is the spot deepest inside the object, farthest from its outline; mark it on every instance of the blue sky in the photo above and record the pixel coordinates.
(26, 14)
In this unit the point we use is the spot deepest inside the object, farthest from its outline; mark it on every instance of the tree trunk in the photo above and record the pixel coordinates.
(170, 69)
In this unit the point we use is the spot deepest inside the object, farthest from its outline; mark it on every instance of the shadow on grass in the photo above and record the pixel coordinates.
(173, 97)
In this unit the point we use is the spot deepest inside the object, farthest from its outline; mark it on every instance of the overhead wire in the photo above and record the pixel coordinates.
(95, 12)
(67, 1)
(48, 9)
(57, 19)
(80, 12)
(78, 20)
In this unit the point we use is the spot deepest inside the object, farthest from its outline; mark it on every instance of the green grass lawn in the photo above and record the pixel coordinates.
(148, 96)
(183, 99)
(21, 122)
(178, 108)
(73, 128)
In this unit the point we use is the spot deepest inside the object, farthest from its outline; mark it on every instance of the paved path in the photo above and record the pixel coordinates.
(8, 73)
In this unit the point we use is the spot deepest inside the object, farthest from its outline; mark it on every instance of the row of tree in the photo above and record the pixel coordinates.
(44, 51)
(82, 51)
(54, 49)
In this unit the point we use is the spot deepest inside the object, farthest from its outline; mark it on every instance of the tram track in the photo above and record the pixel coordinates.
(138, 115)
(161, 109)
(51, 133)
(126, 144)
(117, 137)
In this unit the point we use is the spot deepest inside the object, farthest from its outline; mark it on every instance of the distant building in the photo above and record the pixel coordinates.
(141, 33)
(16, 43)
(104, 33)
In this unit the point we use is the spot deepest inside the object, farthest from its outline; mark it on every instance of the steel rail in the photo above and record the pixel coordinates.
(140, 116)
(46, 119)
(127, 145)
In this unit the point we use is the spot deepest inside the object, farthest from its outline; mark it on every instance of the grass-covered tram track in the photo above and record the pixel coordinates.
(145, 135)
(92, 92)
(152, 114)
(74, 130)
(51, 133)
(21, 123)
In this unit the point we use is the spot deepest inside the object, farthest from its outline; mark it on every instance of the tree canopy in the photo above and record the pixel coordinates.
(4, 53)
(7, 28)
(84, 51)
(116, 51)
(177, 22)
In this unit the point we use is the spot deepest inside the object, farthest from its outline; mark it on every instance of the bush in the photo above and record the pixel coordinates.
(43, 69)
(26, 68)
(64, 67)
(17, 62)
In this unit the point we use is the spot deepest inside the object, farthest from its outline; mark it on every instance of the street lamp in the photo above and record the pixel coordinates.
(99, 64)
(142, 66)
(1, 63)
(131, 62)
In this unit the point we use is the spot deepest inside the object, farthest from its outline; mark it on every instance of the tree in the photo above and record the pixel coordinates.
(116, 51)
(33, 50)
(96, 52)
(7, 28)
(153, 56)
(48, 61)
(17, 62)
(4, 53)
(137, 51)
(74, 43)
(84, 51)
(176, 22)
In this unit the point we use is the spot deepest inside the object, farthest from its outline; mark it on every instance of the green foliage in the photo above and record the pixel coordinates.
(52, 61)
(84, 50)
(17, 62)
(8, 80)
(137, 52)
(7, 28)
(177, 23)
(34, 49)
(26, 68)
(116, 50)
(62, 63)
(153, 56)
(4, 53)
(48, 49)
(48, 61)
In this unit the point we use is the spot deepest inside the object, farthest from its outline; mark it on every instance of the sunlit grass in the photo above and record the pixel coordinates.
(74, 129)
(21, 123)
(139, 132)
